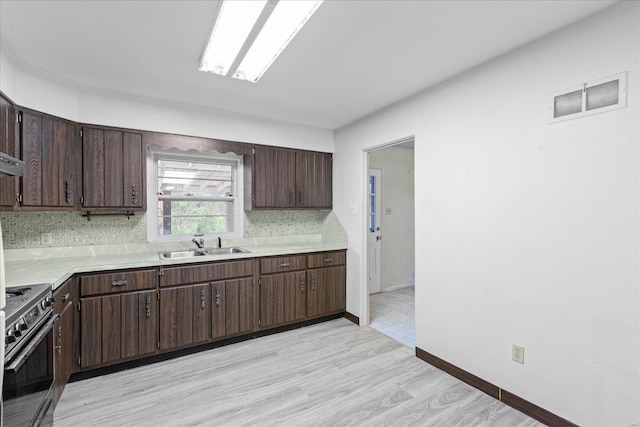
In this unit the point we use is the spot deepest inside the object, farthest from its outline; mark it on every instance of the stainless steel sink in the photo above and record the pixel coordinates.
(223, 251)
(189, 253)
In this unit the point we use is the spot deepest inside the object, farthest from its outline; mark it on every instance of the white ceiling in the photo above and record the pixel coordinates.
(352, 57)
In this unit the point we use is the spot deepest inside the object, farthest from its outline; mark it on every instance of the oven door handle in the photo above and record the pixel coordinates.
(19, 359)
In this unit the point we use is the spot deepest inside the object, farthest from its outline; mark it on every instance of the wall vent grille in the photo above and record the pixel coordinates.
(594, 97)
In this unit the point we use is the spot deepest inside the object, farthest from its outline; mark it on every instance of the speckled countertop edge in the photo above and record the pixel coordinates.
(56, 265)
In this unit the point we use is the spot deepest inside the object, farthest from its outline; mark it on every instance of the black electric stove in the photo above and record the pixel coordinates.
(27, 389)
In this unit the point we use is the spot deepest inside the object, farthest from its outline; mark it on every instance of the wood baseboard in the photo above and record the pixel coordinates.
(496, 392)
(355, 319)
(461, 374)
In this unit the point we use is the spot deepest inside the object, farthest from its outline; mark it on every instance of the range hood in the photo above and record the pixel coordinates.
(10, 166)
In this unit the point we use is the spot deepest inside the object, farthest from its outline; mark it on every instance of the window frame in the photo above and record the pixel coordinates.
(237, 199)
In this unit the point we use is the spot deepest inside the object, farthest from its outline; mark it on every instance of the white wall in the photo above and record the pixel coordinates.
(397, 225)
(529, 232)
(7, 73)
(53, 95)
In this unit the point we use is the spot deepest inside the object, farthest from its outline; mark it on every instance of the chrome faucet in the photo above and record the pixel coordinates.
(199, 243)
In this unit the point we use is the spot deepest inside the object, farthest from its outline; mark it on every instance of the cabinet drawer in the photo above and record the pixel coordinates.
(283, 263)
(200, 273)
(118, 282)
(326, 259)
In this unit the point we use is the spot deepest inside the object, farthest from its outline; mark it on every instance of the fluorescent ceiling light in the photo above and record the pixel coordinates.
(248, 35)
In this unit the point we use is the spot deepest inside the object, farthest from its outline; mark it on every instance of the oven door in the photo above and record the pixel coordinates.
(28, 379)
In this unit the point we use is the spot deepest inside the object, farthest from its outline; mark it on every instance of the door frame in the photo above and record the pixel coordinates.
(364, 282)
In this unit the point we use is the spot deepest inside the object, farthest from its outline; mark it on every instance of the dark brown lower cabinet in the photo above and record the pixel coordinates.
(232, 307)
(129, 314)
(282, 298)
(326, 291)
(317, 289)
(185, 316)
(194, 314)
(117, 327)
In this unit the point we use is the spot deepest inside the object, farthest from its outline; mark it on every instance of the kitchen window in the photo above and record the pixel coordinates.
(194, 193)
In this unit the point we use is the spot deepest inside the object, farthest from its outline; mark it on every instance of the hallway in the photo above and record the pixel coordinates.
(393, 314)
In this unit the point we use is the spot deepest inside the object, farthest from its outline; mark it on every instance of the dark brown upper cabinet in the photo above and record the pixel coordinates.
(49, 147)
(112, 170)
(313, 180)
(274, 178)
(290, 179)
(8, 184)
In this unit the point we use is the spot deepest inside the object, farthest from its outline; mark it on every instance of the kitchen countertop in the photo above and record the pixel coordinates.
(55, 265)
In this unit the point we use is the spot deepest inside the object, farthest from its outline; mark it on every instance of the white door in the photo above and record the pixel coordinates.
(374, 235)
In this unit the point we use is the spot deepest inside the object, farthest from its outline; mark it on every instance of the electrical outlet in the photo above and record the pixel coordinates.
(517, 353)
(46, 238)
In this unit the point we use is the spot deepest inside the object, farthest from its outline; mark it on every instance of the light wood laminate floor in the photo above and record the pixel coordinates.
(329, 374)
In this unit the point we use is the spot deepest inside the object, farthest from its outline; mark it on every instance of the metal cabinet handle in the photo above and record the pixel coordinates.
(302, 284)
(134, 194)
(284, 264)
(300, 197)
(328, 260)
(58, 347)
(119, 282)
(67, 191)
(312, 281)
(148, 306)
(203, 298)
(218, 298)
(292, 198)
(66, 297)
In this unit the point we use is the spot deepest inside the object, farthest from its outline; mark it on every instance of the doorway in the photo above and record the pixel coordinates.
(391, 240)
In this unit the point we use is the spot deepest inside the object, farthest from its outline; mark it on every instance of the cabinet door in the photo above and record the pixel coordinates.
(132, 169)
(117, 327)
(59, 164)
(91, 331)
(238, 305)
(232, 307)
(113, 167)
(313, 179)
(48, 150)
(274, 178)
(185, 316)
(63, 354)
(176, 317)
(201, 313)
(31, 137)
(282, 298)
(218, 309)
(326, 291)
(8, 184)
(139, 323)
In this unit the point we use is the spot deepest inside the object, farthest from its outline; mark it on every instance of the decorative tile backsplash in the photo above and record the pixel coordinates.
(24, 229)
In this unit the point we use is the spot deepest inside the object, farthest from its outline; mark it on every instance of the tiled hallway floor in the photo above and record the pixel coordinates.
(392, 313)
